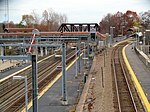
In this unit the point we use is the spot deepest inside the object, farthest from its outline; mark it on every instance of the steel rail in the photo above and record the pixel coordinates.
(118, 60)
(38, 78)
(127, 82)
(115, 78)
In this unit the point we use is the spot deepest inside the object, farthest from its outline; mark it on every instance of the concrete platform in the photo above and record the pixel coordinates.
(142, 75)
(50, 101)
(7, 64)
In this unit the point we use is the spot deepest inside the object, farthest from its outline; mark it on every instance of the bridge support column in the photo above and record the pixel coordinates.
(41, 50)
(46, 52)
(35, 50)
(52, 50)
(67, 46)
(2, 51)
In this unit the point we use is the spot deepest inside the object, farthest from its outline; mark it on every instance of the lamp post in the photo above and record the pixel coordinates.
(26, 88)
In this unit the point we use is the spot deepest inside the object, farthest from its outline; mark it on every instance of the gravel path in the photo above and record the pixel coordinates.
(100, 94)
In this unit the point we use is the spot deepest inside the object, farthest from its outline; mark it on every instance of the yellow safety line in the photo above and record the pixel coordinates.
(50, 84)
(23, 69)
(137, 84)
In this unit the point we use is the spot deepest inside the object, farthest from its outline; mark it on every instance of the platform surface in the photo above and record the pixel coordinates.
(51, 100)
(141, 71)
(7, 64)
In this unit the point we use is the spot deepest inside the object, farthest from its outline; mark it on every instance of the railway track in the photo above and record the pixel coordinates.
(12, 92)
(125, 96)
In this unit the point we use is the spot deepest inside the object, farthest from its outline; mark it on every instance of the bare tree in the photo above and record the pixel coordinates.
(36, 18)
(48, 21)
(106, 23)
(145, 19)
(11, 24)
(27, 20)
(121, 22)
(52, 19)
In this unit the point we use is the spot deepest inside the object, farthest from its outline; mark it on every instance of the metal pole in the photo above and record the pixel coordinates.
(109, 43)
(41, 50)
(76, 62)
(113, 34)
(26, 93)
(148, 48)
(26, 88)
(107, 40)
(34, 84)
(97, 43)
(122, 30)
(79, 57)
(144, 39)
(93, 51)
(110, 36)
(64, 85)
(104, 58)
(144, 42)
(88, 49)
(136, 38)
(84, 53)
(46, 51)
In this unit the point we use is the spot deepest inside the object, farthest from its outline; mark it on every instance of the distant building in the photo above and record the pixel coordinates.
(147, 39)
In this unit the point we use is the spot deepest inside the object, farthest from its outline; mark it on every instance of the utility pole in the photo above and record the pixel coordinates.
(34, 83)
(64, 76)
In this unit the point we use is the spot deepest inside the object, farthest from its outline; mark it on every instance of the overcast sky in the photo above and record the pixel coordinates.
(76, 10)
